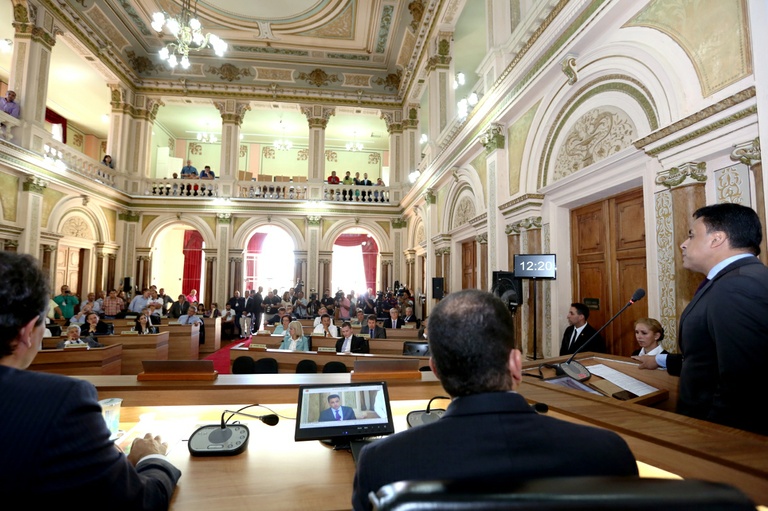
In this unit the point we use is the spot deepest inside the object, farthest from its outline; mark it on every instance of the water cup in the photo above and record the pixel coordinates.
(110, 410)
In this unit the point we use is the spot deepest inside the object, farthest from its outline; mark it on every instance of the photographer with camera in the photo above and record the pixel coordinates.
(368, 303)
(328, 302)
(343, 304)
(66, 302)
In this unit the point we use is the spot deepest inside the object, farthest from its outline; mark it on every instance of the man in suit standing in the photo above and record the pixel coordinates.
(721, 333)
(579, 332)
(350, 343)
(253, 307)
(237, 303)
(493, 432)
(54, 443)
(394, 320)
(336, 412)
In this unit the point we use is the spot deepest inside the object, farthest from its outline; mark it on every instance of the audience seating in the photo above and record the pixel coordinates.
(265, 366)
(306, 366)
(243, 365)
(334, 367)
(571, 493)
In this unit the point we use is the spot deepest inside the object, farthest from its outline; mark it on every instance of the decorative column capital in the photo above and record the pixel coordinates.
(429, 196)
(318, 115)
(128, 216)
(224, 218)
(568, 66)
(747, 153)
(399, 223)
(49, 248)
(393, 120)
(526, 224)
(232, 112)
(314, 219)
(695, 171)
(493, 137)
(34, 185)
(12, 244)
(482, 239)
(235, 259)
(210, 259)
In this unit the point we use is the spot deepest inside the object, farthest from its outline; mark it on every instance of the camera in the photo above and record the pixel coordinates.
(313, 296)
(339, 295)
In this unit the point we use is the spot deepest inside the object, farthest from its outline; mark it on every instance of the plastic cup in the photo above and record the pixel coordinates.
(110, 410)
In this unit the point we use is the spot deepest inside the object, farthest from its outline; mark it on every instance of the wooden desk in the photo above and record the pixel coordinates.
(377, 346)
(183, 341)
(137, 348)
(107, 360)
(406, 334)
(287, 360)
(212, 336)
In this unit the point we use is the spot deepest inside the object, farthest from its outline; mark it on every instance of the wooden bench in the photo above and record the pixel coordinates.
(107, 360)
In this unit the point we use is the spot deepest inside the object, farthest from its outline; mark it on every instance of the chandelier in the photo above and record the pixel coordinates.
(188, 31)
(207, 138)
(354, 145)
(282, 144)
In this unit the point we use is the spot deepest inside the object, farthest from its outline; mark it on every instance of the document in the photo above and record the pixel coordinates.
(620, 379)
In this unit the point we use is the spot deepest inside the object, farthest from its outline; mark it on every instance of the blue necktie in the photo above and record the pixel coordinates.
(338, 417)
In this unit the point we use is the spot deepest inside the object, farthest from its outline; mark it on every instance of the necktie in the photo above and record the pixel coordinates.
(573, 339)
(703, 283)
(338, 417)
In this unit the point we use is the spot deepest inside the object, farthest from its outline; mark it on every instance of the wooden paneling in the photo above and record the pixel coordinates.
(107, 360)
(469, 265)
(183, 341)
(137, 348)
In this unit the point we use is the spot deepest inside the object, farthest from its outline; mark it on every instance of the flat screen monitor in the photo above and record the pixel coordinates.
(535, 266)
(363, 407)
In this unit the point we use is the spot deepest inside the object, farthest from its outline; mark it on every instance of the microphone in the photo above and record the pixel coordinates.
(223, 439)
(576, 370)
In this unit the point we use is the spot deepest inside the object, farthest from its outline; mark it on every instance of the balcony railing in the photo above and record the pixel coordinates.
(64, 157)
(356, 193)
(182, 188)
(7, 123)
(272, 191)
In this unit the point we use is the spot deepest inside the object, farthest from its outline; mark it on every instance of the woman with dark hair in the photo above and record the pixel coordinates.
(649, 333)
(94, 326)
(108, 161)
(282, 328)
(143, 325)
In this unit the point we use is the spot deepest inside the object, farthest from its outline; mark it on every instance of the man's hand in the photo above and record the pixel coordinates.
(145, 446)
(646, 361)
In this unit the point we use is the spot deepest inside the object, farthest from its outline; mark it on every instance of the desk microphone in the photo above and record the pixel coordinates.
(576, 370)
(225, 440)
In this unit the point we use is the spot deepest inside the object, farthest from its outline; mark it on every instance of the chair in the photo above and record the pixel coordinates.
(243, 365)
(335, 367)
(265, 366)
(306, 366)
(571, 493)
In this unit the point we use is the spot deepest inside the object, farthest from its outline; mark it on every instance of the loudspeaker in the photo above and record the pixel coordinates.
(127, 284)
(438, 284)
(507, 287)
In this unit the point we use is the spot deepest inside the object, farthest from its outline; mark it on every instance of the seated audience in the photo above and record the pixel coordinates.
(143, 325)
(228, 322)
(294, 338)
(409, 317)
(349, 342)
(282, 328)
(373, 329)
(320, 311)
(493, 431)
(359, 319)
(325, 327)
(179, 308)
(53, 438)
(649, 333)
(94, 326)
(394, 320)
(74, 339)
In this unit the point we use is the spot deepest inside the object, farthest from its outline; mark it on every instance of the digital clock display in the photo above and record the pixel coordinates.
(535, 266)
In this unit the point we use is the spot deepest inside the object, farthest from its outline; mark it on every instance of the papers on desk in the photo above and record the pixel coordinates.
(620, 379)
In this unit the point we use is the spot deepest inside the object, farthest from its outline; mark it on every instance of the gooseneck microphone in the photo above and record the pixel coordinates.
(575, 369)
(223, 439)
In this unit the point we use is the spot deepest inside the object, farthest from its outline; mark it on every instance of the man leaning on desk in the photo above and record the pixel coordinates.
(55, 449)
(489, 431)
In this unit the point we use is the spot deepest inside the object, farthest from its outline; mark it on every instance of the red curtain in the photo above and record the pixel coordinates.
(54, 118)
(370, 254)
(193, 261)
(256, 241)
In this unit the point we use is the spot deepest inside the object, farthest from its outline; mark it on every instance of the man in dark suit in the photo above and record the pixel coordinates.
(372, 329)
(492, 431)
(409, 317)
(394, 320)
(254, 308)
(237, 303)
(53, 438)
(350, 343)
(721, 333)
(336, 412)
(579, 332)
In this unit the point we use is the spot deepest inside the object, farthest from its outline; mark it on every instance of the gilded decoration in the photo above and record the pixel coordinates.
(302, 155)
(420, 235)
(748, 153)
(318, 78)
(598, 134)
(243, 151)
(416, 8)
(331, 156)
(111, 32)
(374, 158)
(142, 65)
(713, 33)
(268, 153)
(685, 173)
(196, 149)
(391, 81)
(493, 137)
(229, 72)
(340, 27)
(274, 74)
(77, 227)
(732, 185)
(465, 211)
(9, 199)
(384, 26)
(353, 80)
(666, 265)
(517, 136)
(34, 184)
(568, 65)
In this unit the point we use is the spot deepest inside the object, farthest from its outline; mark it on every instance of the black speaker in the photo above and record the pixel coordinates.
(127, 284)
(438, 285)
(507, 287)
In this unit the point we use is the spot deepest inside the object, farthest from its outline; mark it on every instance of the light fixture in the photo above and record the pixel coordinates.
(354, 145)
(188, 31)
(207, 138)
(414, 176)
(465, 105)
(105, 119)
(5, 45)
(459, 80)
(282, 144)
(423, 139)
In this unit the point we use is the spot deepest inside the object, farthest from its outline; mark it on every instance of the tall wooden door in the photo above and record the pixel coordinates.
(608, 251)
(469, 264)
(69, 267)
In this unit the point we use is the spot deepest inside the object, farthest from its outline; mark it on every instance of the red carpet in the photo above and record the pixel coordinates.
(221, 358)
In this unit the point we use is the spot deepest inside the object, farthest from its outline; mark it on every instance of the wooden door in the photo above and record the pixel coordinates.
(608, 250)
(69, 261)
(469, 265)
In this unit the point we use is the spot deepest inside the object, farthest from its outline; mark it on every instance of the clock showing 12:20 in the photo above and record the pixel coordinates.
(535, 266)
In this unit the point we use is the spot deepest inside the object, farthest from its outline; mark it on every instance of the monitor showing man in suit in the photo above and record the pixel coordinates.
(336, 412)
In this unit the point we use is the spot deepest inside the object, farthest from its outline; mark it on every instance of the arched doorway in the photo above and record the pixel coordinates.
(269, 259)
(355, 260)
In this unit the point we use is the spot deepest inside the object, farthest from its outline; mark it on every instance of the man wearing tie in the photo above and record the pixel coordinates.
(410, 318)
(336, 412)
(350, 343)
(579, 332)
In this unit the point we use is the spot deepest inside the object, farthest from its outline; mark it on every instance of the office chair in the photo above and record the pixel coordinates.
(306, 366)
(243, 365)
(265, 366)
(569, 493)
(335, 367)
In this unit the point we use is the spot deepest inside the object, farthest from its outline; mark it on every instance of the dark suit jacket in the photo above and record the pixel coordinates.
(412, 319)
(358, 345)
(597, 344)
(398, 324)
(722, 337)
(53, 431)
(177, 309)
(493, 435)
(378, 332)
(347, 413)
